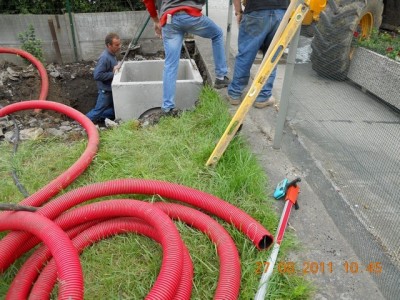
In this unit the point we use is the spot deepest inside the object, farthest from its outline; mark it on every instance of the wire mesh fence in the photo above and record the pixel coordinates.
(345, 109)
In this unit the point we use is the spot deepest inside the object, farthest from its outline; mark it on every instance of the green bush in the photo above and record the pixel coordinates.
(382, 42)
(61, 6)
(30, 43)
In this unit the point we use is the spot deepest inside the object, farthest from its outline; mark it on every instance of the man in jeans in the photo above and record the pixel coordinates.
(257, 26)
(103, 73)
(173, 20)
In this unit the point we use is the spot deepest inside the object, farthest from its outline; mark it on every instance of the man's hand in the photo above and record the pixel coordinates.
(239, 18)
(116, 68)
(157, 29)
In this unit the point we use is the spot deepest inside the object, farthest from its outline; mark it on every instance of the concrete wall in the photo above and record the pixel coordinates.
(90, 30)
(377, 74)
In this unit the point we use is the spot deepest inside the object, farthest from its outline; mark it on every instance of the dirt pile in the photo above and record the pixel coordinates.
(70, 84)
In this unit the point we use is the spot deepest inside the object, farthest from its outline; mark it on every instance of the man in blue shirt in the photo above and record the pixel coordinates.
(104, 71)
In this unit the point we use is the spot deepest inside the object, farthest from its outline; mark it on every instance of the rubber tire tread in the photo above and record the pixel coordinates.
(333, 35)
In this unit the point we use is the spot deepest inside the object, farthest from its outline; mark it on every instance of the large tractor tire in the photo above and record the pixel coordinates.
(340, 24)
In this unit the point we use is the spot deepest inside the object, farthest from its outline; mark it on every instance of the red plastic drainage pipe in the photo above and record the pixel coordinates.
(169, 276)
(229, 279)
(42, 71)
(14, 242)
(67, 260)
(20, 287)
(66, 178)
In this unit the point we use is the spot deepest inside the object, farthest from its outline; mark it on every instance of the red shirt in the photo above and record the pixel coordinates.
(151, 8)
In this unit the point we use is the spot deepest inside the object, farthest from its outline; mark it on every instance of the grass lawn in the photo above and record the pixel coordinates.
(175, 150)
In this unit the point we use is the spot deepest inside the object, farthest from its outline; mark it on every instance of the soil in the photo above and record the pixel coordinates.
(71, 84)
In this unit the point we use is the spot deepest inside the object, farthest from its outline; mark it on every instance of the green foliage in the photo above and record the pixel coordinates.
(30, 43)
(61, 6)
(382, 42)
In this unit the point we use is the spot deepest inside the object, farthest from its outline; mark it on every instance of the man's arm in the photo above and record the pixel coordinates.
(151, 8)
(102, 71)
(238, 10)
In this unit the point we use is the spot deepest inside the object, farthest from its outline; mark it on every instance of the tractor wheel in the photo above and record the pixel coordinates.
(339, 25)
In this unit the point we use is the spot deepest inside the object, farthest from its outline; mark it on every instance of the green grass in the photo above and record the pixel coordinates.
(174, 150)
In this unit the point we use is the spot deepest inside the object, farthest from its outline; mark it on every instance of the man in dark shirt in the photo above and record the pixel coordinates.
(257, 26)
(104, 71)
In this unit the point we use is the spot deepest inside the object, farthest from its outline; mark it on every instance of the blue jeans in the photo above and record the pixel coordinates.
(104, 107)
(256, 29)
(173, 34)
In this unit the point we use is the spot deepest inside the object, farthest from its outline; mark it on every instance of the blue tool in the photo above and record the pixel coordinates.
(280, 190)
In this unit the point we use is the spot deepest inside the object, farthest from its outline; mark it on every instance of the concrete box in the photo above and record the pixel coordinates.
(138, 87)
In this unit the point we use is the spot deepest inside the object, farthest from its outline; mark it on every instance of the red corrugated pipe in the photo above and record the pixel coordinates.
(67, 260)
(42, 71)
(228, 283)
(14, 242)
(66, 178)
(229, 280)
(48, 276)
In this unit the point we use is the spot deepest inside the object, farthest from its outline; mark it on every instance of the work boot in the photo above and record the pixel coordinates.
(262, 104)
(234, 101)
(221, 83)
(173, 112)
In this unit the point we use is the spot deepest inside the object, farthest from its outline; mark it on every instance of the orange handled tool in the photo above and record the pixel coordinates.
(292, 192)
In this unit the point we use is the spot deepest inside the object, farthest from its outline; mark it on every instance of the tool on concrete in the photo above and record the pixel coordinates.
(16, 207)
(292, 191)
(280, 189)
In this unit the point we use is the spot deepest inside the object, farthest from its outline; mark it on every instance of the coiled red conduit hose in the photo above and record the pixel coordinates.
(14, 241)
(48, 276)
(67, 260)
(66, 178)
(228, 283)
(39, 66)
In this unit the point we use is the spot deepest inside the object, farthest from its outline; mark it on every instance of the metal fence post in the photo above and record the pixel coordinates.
(228, 32)
(287, 82)
(71, 23)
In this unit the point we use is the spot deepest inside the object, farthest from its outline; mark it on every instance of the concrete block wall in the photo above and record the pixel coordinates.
(138, 87)
(90, 30)
(377, 74)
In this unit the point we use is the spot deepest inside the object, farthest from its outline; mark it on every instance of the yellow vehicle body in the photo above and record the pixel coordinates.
(315, 8)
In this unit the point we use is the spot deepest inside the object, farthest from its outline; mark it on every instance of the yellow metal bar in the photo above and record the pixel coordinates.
(265, 70)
